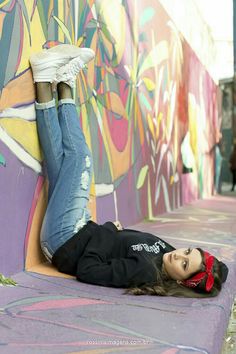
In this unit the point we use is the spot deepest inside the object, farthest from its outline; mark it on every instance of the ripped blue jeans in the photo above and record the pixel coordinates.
(69, 168)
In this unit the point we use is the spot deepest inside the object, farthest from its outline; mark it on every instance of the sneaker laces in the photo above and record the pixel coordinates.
(68, 72)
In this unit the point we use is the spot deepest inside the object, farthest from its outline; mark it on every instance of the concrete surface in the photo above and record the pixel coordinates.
(46, 314)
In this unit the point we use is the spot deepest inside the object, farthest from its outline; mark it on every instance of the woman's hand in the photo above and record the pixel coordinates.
(118, 225)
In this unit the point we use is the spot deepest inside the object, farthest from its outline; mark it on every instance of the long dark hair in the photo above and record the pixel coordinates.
(165, 286)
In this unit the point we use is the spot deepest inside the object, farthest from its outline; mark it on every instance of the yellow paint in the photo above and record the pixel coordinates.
(92, 201)
(115, 24)
(151, 125)
(25, 133)
(86, 131)
(24, 60)
(107, 44)
(90, 74)
(138, 116)
(61, 16)
(4, 3)
(63, 29)
(135, 34)
(72, 31)
(156, 56)
(150, 85)
(36, 30)
(34, 254)
(114, 104)
(150, 212)
(80, 41)
(48, 269)
(159, 119)
(50, 9)
(133, 75)
(83, 86)
(36, 35)
(167, 125)
(2, 16)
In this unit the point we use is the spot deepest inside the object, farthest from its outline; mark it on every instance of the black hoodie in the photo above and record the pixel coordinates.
(103, 255)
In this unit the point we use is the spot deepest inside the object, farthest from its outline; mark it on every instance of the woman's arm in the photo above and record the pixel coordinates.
(113, 225)
(124, 272)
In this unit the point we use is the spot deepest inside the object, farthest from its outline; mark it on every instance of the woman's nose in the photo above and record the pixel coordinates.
(178, 256)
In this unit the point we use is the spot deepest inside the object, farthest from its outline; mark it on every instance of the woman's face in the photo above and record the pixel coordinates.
(180, 264)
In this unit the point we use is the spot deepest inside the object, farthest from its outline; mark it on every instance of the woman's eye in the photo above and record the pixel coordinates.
(188, 251)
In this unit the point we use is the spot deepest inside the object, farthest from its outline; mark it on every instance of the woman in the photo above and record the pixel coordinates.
(106, 254)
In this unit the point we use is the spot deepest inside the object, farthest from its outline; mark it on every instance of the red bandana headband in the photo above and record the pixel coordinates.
(196, 279)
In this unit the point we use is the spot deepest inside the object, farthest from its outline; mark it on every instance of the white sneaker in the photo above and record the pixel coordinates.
(68, 72)
(45, 64)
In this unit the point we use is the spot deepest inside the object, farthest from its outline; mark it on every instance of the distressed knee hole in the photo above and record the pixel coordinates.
(85, 174)
(85, 180)
(87, 161)
(80, 223)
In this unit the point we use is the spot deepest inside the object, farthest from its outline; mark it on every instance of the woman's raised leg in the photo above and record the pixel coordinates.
(67, 210)
(49, 132)
(67, 156)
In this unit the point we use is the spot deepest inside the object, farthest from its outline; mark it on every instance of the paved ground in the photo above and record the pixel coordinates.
(229, 346)
(226, 190)
(45, 314)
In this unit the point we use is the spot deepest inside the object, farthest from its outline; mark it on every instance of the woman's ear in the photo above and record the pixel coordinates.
(179, 282)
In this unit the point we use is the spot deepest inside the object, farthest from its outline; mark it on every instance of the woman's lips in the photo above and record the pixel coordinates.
(170, 257)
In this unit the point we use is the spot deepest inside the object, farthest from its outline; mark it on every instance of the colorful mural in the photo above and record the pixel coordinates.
(147, 106)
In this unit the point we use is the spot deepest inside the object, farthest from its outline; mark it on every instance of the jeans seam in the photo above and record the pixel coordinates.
(67, 203)
(50, 131)
(68, 130)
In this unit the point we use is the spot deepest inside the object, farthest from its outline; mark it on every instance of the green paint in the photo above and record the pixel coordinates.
(145, 102)
(6, 281)
(2, 160)
(142, 176)
(63, 28)
(150, 213)
(146, 16)
(33, 300)
(42, 13)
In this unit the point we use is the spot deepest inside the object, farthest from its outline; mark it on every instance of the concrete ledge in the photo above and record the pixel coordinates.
(48, 314)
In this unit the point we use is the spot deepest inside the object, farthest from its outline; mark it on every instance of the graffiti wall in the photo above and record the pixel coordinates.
(147, 106)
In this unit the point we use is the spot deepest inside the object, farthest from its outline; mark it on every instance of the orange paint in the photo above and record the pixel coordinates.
(2, 16)
(19, 91)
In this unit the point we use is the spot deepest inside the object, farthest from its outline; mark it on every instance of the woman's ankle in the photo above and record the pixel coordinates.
(64, 91)
(43, 92)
